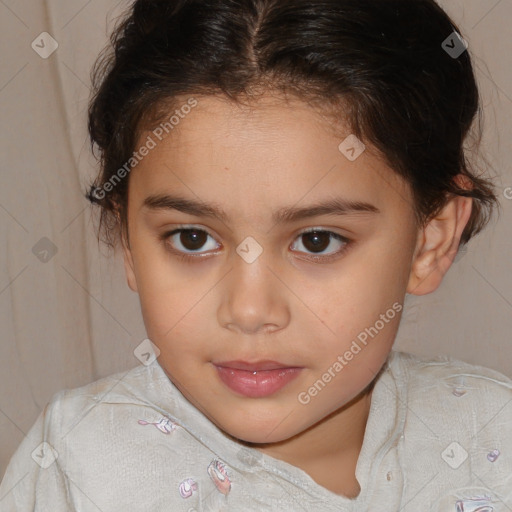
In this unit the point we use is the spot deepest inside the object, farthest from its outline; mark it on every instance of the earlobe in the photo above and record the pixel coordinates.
(437, 246)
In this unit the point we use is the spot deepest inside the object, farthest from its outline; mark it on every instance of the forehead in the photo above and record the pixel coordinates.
(270, 152)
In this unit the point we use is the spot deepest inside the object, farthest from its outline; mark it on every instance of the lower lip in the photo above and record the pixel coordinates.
(263, 383)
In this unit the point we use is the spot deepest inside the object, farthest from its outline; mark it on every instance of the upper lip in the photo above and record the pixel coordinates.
(254, 367)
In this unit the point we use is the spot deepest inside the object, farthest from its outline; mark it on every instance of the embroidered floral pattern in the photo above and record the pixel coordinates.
(165, 425)
(187, 488)
(475, 504)
(219, 476)
(493, 455)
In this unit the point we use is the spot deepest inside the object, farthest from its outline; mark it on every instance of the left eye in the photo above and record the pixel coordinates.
(318, 241)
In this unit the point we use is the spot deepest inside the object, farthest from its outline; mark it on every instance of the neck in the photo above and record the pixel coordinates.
(328, 451)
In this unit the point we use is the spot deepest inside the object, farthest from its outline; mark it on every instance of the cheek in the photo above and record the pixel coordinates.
(162, 284)
(175, 309)
(358, 313)
(164, 297)
(171, 315)
(356, 296)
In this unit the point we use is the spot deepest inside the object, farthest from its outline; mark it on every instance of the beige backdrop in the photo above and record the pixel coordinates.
(67, 315)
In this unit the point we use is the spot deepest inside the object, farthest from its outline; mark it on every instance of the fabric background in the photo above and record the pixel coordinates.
(67, 316)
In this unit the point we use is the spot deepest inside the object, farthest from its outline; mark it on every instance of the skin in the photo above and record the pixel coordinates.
(283, 306)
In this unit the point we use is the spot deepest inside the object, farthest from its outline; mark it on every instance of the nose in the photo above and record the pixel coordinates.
(254, 300)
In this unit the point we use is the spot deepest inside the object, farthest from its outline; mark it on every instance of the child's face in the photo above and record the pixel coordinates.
(282, 306)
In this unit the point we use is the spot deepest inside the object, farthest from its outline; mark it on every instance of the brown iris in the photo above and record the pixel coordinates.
(318, 240)
(193, 239)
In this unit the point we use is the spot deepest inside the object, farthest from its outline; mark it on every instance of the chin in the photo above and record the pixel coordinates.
(257, 436)
(271, 430)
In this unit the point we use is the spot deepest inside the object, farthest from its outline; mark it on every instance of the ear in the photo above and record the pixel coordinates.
(128, 267)
(128, 264)
(438, 243)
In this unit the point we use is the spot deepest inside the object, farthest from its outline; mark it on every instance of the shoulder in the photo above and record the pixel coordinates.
(456, 423)
(129, 387)
(446, 399)
(442, 374)
(36, 471)
(444, 393)
(81, 394)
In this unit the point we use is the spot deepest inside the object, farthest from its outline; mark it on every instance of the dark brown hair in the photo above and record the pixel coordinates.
(378, 64)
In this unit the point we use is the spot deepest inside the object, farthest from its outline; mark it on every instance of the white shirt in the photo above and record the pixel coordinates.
(438, 438)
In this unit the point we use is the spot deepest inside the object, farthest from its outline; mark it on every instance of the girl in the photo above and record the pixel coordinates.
(279, 175)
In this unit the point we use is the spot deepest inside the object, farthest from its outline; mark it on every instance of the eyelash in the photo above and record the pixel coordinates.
(194, 256)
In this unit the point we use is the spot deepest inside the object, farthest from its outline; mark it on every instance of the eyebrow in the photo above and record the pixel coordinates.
(335, 206)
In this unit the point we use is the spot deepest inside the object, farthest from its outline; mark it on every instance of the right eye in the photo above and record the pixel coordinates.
(186, 239)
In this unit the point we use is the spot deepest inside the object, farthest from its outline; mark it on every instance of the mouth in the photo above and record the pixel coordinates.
(256, 380)
(258, 366)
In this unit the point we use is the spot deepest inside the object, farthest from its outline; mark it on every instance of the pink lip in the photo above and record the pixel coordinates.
(253, 367)
(258, 379)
